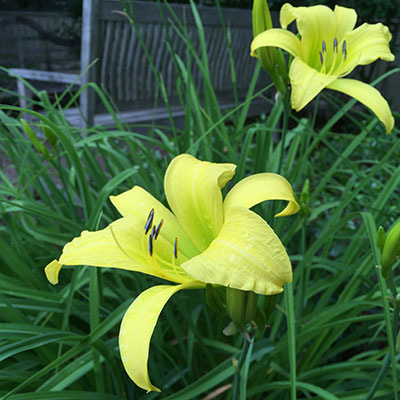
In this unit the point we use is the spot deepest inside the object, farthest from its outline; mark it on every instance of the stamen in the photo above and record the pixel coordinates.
(153, 231)
(344, 50)
(176, 248)
(323, 46)
(151, 244)
(149, 221)
(160, 224)
(321, 57)
(335, 43)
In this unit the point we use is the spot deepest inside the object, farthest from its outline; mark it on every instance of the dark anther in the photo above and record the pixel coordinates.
(176, 248)
(323, 46)
(153, 231)
(149, 221)
(160, 224)
(151, 244)
(344, 49)
(321, 57)
(335, 44)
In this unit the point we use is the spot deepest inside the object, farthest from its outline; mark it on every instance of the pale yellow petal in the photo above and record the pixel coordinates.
(137, 328)
(138, 202)
(281, 38)
(368, 43)
(123, 244)
(52, 271)
(193, 191)
(261, 187)
(367, 95)
(314, 24)
(346, 19)
(306, 83)
(286, 16)
(246, 255)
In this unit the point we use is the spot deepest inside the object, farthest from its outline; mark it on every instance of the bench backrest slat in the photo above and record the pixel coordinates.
(123, 68)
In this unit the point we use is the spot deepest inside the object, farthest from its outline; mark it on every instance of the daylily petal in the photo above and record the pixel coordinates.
(123, 246)
(261, 187)
(137, 328)
(346, 19)
(315, 24)
(193, 190)
(52, 271)
(246, 255)
(367, 95)
(370, 42)
(139, 202)
(306, 83)
(277, 38)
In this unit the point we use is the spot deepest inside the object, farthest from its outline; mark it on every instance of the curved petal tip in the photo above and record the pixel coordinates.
(52, 270)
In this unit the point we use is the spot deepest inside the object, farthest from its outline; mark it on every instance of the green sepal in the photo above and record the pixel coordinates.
(251, 306)
(236, 306)
(231, 329)
(269, 303)
(215, 299)
(241, 307)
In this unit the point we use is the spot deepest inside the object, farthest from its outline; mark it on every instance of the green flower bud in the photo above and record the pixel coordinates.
(270, 58)
(50, 135)
(391, 250)
(305, 193)
(39, 146)
(241, 307)
(380, 238)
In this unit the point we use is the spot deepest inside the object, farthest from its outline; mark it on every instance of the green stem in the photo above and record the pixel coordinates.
(291, 337)
(236, 378)
(392, 286)
(390, 331)
(286, 115)
(379, 377)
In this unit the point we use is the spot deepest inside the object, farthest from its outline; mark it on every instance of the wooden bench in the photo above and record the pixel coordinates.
(124, 72)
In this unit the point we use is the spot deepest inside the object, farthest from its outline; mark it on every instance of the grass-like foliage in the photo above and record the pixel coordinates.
(329, 337)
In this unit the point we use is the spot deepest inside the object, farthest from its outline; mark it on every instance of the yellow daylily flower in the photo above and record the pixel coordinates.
(326, 49)
(205, 239)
